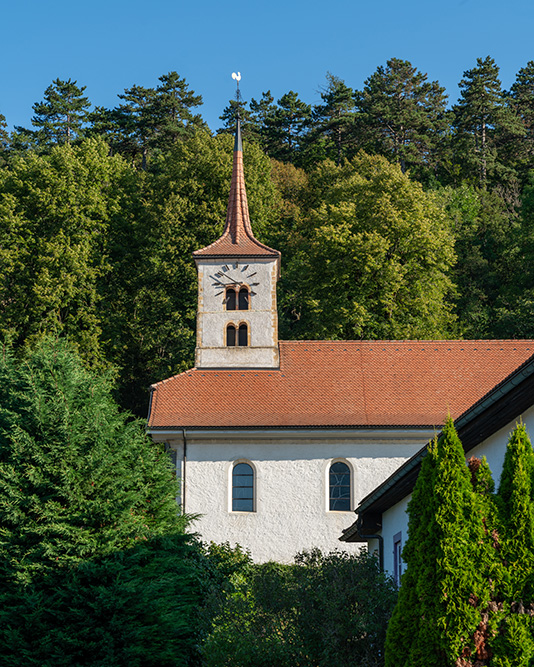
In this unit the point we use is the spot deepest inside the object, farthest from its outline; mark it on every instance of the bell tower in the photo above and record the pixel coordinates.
(237, 321)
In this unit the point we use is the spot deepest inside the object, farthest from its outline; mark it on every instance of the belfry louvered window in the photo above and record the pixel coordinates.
(242, 488)
(339, 487)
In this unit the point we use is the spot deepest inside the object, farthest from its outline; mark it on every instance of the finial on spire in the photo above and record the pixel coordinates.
(238, 145)
(237, 79)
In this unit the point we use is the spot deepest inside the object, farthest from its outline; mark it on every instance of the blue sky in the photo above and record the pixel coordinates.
(281, 46)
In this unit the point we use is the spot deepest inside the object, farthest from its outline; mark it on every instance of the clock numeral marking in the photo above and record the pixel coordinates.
(245, 267)
(219, 274)
(254, 284)
(217, 285)
(226, 268)
(252, 274)
(219, 294)
(253, 294)
(236, 265)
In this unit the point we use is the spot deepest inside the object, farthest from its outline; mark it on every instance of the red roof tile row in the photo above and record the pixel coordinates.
(341, 383)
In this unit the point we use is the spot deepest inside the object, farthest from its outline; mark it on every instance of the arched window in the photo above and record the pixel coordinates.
(230, 335)
(243, 298)
(230, 299)
(339, 487)
(243, 335)
(242, 488)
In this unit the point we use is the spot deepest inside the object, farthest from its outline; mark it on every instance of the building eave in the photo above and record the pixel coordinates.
(493, 411)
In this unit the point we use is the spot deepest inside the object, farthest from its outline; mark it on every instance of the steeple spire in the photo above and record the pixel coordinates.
(237, 239)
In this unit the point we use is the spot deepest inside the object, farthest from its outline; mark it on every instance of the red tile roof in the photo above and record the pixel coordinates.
(237, 239)
(341, 383)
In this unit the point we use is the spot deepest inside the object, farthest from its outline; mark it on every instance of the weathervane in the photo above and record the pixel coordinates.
(237, 79)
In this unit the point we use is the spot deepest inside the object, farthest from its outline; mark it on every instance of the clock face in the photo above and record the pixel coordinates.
(234, 275)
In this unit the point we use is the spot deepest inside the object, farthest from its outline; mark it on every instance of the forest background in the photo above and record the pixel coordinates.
(397, 216)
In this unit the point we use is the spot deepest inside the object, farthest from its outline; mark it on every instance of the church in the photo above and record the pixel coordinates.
(277, 442)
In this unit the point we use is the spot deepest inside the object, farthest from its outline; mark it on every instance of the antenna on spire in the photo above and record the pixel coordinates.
(237, 79)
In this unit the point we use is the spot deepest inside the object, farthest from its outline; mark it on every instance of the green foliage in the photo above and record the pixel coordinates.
(332, 130)
(324, 610)
(446, 583)
(401, 115)
(372, 260)
(149, 119)
(57, 211)
(483, 122)
(466, 596)
(60, 118)
(95, 565)
(514, 644)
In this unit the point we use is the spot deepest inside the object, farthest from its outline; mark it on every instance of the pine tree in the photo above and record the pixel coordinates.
(260, 113)
(61, 116)
(171, 110)
(286, 128)
(333, 123)
(482, 123)
(521, 100)
(401, 115)
(4, 138)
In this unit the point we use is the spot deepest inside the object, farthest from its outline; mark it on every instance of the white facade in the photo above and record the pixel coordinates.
(291, 508)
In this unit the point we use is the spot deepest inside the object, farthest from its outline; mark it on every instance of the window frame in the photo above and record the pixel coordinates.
(329, 487)
(231, 498)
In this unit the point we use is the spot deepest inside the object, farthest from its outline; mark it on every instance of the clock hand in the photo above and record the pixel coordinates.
(233, 282)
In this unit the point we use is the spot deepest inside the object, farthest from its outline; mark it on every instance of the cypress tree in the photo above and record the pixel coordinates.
(444, 586)
(405, 622)
(514, 645)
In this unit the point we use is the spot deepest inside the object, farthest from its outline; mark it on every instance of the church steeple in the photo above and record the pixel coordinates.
(237, 322)
(237, 239)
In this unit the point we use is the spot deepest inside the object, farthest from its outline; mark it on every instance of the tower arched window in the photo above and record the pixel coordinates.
(242, 488)
(231, 335)
(244, 298)
(242, 335)
(231, 299)
(339, 481)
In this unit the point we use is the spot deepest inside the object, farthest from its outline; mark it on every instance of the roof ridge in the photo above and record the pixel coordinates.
(409, 341)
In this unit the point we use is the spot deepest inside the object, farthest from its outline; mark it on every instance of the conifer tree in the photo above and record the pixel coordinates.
(333, 123)
(443, 570)
(514, 645)
(401, 115)
(61, 116)
(402, 648)
(482, 123)
(521, 100)
(286, 128)
(95, 568)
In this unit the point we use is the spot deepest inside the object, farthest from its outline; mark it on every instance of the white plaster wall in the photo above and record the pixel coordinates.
(494, 447)
(395, 520)
(291, 491)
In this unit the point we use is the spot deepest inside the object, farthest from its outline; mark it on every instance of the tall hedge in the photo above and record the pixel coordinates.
(95, 567)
